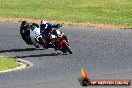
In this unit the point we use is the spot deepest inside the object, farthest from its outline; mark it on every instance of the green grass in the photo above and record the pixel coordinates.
(7, 63)
(99, 11)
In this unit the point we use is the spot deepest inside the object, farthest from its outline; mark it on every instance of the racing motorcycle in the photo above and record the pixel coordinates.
(59, 41)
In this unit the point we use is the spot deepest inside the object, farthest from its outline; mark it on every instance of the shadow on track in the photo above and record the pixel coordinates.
(30, 49)
(19, 50)
(41, 55)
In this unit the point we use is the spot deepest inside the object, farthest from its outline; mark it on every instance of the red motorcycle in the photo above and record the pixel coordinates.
(60, 41)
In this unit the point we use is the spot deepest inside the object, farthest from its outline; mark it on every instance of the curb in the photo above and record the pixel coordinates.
(23, 64)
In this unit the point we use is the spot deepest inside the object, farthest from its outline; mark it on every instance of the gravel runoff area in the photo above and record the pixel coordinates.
(101, 25)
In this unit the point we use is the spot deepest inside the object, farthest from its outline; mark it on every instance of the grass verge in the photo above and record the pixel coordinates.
(7, 63)
(93, 11)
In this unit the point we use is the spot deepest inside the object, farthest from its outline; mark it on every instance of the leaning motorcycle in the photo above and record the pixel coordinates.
(60, 41)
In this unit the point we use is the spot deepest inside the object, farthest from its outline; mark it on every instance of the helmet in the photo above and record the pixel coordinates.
(43, 24)
(24, 25)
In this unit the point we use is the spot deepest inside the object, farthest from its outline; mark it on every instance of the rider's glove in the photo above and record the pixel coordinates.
(59, 25)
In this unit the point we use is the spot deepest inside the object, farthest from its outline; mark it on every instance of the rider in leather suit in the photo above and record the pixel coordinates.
(46, 28)
(30, 33)
(25, 32)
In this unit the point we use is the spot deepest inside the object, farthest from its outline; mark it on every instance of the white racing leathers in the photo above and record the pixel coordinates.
(34, 34)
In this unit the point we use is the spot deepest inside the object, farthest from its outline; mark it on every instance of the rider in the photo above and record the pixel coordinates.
(25, 32)
(46, 28)
(30, 33)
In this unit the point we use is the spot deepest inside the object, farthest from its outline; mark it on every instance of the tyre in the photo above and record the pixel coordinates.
(68, 48)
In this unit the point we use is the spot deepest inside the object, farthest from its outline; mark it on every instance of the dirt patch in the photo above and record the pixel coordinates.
(68, 22)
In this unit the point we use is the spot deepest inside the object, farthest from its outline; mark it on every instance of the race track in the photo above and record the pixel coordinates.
(105, 53)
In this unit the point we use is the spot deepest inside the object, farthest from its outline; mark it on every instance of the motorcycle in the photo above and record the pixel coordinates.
(60, 41)
(57, 39)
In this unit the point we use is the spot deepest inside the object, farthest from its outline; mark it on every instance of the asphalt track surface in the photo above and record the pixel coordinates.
(104, 53)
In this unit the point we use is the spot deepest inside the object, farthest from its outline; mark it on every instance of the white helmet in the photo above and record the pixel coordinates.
(43, 22)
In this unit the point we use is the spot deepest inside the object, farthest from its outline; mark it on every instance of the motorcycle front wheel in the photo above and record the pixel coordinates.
(67, 47)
